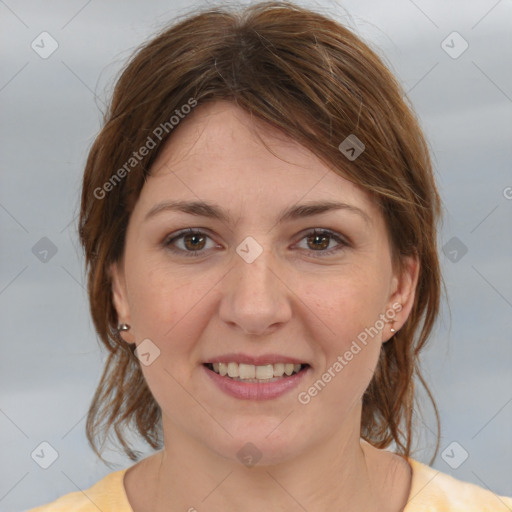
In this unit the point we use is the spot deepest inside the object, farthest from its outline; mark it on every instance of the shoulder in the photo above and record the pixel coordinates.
(434, 491)
(107, 495)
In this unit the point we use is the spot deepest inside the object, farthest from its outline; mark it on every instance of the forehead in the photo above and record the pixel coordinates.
(221, 152)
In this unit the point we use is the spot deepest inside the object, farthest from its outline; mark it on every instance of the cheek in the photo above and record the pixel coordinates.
(347, 351)
(347, 311)
(347, 303)
(153, 287)
(169, 307)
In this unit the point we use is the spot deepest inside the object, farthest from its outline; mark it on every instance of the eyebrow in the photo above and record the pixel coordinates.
(210, 210)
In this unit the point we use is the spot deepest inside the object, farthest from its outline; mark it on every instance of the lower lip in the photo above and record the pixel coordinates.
(256, 390)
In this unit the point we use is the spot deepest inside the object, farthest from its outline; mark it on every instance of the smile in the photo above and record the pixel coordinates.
(253, 373)
(255, 381)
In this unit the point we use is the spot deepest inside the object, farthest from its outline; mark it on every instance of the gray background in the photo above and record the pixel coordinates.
(51, 360)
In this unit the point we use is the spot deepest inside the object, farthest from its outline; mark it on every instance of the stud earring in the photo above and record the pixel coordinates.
(123, 327)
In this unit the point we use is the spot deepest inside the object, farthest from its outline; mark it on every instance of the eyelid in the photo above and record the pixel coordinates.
(178, 235)
(340, 239)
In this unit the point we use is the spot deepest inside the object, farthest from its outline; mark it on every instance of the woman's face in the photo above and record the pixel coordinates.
(255, 289)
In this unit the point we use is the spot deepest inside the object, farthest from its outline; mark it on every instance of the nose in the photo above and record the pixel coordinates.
(255, 297)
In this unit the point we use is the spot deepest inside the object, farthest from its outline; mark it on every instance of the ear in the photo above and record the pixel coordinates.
(120, 300)
(403, 292)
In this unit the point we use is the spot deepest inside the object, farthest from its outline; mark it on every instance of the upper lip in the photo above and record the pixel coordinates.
(255, 360)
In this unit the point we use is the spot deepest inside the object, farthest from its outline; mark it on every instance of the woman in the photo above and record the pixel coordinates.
(259, 222)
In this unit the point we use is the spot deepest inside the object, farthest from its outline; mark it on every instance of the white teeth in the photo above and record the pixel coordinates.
(223, 369)
(249, 371)
(278, 369)
(265, 372)
(233, 370)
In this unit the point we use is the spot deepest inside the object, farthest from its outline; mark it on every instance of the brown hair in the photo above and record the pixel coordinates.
(315, 80)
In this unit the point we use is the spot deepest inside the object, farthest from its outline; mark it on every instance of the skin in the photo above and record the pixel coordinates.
(290, 300)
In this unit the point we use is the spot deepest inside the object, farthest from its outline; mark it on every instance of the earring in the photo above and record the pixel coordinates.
(123, 327)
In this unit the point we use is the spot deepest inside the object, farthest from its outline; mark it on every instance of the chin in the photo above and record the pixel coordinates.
(257, 442)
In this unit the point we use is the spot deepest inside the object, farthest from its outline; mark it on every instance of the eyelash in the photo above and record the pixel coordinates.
(314, 232)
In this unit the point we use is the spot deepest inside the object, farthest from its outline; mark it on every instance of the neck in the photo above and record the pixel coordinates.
(339, 473)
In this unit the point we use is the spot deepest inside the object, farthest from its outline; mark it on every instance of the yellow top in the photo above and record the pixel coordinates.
(431, 491)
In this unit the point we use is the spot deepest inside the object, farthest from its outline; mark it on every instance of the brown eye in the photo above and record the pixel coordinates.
(192, 243)
(318, 241)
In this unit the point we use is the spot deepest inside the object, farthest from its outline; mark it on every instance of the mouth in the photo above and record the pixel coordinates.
(249, 373)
